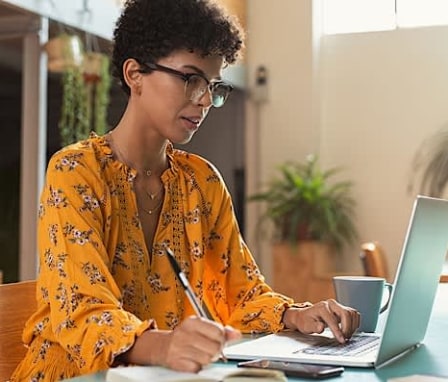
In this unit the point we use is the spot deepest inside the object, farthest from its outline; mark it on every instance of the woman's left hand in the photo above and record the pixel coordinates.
(342, 320)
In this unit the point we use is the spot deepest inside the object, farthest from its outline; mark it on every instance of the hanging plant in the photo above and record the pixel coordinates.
(98, 81)
(74, 120)
(85, 84)
(85, 98)
(64, 51)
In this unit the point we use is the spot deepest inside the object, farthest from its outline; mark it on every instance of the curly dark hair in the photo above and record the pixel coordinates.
(149, 30)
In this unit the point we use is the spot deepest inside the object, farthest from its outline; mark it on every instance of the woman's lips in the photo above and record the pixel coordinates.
(192, 122)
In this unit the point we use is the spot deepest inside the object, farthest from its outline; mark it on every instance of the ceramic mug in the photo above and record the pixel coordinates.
(365, 294)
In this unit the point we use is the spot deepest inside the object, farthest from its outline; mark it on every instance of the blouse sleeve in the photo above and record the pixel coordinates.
(240, 295)
(86, 313)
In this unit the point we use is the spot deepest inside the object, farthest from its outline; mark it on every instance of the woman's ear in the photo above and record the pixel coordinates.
(132, 75)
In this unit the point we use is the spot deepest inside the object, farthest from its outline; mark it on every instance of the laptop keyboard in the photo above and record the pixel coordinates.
(357, 345)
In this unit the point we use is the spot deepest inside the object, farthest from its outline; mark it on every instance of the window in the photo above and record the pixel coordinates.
(351, 16)
(411, 13)
(348, 16)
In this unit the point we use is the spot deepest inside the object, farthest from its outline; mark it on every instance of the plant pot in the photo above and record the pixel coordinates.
(92, 66)
(64, 52)
(303, 272)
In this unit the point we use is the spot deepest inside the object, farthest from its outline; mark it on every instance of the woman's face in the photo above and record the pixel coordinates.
(166, 107)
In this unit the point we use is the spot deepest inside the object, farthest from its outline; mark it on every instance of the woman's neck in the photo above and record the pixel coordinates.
(139, 151)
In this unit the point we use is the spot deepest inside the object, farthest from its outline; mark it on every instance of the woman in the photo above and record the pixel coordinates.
(113, 204)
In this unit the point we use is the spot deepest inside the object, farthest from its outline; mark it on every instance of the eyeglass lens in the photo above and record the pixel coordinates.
(196, 86)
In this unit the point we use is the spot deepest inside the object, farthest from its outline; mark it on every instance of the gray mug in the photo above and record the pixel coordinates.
(365, 294)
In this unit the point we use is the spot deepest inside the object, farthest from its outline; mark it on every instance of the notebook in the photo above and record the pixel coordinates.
(211, 373)
(415, 286)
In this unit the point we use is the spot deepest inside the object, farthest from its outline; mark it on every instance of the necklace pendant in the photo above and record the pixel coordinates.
(152, 196)
(148, 172)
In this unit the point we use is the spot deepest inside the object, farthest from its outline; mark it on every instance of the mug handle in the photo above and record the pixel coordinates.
(389, 290)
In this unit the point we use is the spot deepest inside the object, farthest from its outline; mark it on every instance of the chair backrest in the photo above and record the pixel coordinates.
(373, 260)
(17, 303)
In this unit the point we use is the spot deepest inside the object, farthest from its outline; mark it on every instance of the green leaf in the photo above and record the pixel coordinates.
(302, 203)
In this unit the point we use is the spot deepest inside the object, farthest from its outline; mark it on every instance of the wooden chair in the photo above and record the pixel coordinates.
(373, 260)
(17, 303)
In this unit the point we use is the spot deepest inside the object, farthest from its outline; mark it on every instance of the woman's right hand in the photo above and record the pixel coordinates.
(196, 342)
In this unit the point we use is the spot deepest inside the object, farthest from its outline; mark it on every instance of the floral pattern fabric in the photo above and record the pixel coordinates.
(99, 287)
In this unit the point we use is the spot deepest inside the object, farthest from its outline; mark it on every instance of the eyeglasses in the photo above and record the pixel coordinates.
(195, 84)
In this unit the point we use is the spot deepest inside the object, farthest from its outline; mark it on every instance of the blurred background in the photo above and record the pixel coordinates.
(318, 77)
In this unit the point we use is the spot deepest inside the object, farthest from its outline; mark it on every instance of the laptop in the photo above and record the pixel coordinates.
(407, 319)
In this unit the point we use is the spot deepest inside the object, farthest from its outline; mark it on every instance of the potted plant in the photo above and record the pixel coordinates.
(64, 51)
(85, 84)
(97, 81)
(430, 166)
(74, 121)
(430, 169)
(85, 98)
(303, 204)
(312, 219)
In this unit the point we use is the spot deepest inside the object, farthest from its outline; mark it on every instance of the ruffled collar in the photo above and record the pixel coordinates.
(131, 173)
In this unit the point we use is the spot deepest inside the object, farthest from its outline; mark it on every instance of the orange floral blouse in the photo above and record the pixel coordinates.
(99, 287)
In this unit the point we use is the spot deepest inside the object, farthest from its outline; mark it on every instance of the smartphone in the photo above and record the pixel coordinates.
(296, 369)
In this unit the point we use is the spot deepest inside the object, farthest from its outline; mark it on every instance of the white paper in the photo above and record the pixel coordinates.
(211, 373)
(418, 378)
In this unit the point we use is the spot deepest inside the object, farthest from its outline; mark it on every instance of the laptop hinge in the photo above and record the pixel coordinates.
(399, 355)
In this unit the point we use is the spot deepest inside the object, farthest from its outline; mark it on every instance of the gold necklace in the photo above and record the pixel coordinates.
(147, 172)
(154, 209)
(153, 196)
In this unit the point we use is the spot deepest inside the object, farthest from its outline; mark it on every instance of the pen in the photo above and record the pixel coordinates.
(187, 288)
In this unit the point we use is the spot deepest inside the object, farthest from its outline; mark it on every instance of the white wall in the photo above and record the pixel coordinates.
(383, 94)
(379, 96)
(280, 38)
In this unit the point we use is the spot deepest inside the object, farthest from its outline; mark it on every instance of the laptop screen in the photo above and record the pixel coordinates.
(417, 277)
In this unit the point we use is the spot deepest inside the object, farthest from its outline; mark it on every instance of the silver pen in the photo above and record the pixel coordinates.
(199, 310)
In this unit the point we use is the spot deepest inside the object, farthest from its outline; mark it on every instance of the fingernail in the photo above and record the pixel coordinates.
(223, 358)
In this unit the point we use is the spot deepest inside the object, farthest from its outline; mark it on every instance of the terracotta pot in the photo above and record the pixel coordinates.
(92, 64)
(64, 51)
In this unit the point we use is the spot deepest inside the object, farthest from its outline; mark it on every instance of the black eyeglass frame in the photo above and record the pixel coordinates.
(147, 67)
